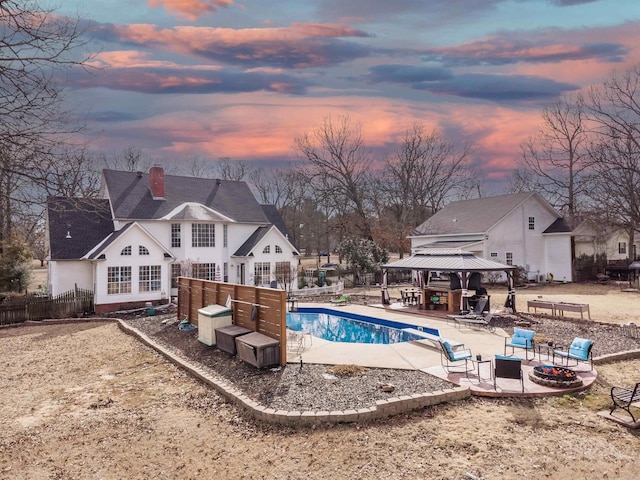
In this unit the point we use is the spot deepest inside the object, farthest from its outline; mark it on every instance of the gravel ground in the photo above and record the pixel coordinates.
(322, 387)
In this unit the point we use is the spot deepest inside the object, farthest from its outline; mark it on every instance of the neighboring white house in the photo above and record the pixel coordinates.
(595, 239)
(519, 229)
(130, 246)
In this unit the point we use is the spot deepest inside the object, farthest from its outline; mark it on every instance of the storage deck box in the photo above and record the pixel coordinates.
(258, 349)
(226, 337)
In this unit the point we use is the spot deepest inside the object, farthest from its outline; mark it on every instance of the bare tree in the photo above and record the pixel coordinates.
(226, 169)
(418, 178)
(338, 170)
(68, 172)
(614, 107)
(200, 167)
(615, 180)
(130, 159)
(555, 161)
(36, 44)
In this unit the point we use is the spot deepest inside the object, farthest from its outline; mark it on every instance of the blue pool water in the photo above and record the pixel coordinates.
(349, 327)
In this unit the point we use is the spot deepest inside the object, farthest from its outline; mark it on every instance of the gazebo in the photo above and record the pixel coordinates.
(451, 260)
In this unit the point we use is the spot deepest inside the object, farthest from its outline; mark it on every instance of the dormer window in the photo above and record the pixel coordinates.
(142, 250)
(126, 250)
(532, 223)
(267, 249)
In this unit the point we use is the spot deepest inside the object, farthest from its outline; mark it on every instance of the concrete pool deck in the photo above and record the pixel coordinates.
(423, 355)
(407, 355)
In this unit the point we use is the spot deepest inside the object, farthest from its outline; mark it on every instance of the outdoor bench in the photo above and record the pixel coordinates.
(535, 304)
(625, 398)
(580, 308)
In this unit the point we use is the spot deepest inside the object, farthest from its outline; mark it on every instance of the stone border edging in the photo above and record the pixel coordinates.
(616, 357)
(382, 408)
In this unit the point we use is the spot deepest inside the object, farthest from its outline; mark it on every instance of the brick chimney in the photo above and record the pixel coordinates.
(156, 182)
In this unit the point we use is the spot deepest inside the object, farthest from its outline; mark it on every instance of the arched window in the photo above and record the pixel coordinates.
(267, 249)
(126, 251)
(278, 249)
(142, 250)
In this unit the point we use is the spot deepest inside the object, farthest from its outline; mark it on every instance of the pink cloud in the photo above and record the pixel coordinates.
(187, 38)
(589, 71)
(190, 9)
(132, 59)
(252, 126)
(300, 45)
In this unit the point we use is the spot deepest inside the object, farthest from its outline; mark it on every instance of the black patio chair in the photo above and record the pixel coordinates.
(507, 367)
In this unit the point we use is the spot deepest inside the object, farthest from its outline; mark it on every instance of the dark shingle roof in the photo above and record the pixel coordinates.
(87, 221)
(131, 198)
(274, 217)
(471, 216)
(247, 246)
(559, 226)
(109, 240)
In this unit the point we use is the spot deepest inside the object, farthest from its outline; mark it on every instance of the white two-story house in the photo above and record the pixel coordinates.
(130, 246)
(520, 229)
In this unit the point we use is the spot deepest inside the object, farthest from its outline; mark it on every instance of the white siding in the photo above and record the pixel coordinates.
(512, 234)
(558, 250)
(66, 275)
(530, 248)
(133, 237)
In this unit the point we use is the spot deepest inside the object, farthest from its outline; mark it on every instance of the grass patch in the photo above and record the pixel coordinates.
(346, 370)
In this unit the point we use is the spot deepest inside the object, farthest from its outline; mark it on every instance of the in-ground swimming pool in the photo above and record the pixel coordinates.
(350, 327)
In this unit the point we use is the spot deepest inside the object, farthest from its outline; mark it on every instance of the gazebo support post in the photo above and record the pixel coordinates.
(510, 304)
(463, 298)
(383, 289)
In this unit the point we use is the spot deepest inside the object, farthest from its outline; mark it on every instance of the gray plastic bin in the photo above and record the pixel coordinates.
(210, 318)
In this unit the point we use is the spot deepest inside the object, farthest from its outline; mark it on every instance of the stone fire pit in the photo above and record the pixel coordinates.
(555, 377)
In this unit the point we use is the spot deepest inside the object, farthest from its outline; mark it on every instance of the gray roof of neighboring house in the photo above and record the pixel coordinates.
(471, 216)
(559, 226)
(131, 197)
(87, 221)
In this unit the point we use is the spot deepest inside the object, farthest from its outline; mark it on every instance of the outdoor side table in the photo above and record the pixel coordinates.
(548, 349)
(490, 362)
(226, 337)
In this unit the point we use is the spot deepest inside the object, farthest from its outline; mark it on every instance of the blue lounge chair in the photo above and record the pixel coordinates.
(452, 355)
(579, 350)
(523, 339)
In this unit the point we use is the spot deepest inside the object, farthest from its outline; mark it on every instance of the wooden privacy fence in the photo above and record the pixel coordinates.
(31, 307)
(261, 310)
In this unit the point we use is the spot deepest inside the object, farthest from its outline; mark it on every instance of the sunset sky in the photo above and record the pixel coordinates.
(243, 79)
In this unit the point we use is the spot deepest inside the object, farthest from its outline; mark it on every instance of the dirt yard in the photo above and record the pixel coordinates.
(87, 401)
